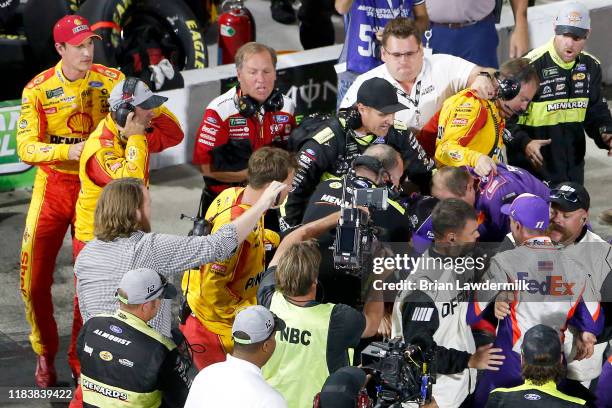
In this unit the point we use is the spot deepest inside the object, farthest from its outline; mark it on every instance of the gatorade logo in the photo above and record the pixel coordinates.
(554, 285)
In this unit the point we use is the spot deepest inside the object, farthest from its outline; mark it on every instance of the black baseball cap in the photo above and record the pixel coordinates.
(541, 346)
(570, 196)
(379, 94)
(341, 389)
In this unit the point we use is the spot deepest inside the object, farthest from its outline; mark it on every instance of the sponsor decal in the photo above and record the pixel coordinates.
(110, 73)
(112, 337)
(566, 105)
(45, 149)
(131, 167)
(212, 120)
(455, 155)
(96, 84)
(212, 131)
(465, 105)
(54, 93)
(310, 151)
(50, 110)
(550, 72)
(579, 76)
(88, 349)
(206, 142)
(106, 355)
(23, 124)
(460, 121)
(427, 90)
(107, 392)
(116, 329)
(579, 84)
(553, 285)
(532, 397)
(68, 98)
(560, 87)
(126, 362)
(64, 140)
(132, 153)
(80, 123)
(335, 185)
(30, 149)
(217, 268)
(547, 89)
(360, 183)
(581, 67)
(237, 122)
(287, 129)
(281, 118)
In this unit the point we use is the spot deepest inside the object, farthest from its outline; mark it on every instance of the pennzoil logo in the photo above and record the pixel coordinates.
(80, 123)
(106, 355)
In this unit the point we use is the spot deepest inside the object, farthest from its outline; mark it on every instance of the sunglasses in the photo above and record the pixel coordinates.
(570, 196)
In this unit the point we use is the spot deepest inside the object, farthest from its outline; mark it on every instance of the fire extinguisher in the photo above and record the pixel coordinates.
(236, 28)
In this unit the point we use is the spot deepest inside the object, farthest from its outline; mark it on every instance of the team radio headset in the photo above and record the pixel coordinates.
(250, 108)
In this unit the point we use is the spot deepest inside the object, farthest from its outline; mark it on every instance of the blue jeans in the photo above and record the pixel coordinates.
(476, 43)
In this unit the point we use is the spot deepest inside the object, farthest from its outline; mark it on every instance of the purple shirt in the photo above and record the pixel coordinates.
(493, 192)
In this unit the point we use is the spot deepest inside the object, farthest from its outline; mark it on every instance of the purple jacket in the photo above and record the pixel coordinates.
(493, 192)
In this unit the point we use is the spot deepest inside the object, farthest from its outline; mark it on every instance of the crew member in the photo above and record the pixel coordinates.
(251, 115)
(59, 109)
(470, 129)
(221, 288)
(379, 166)
(487, 194)
(426, 313)
(423, 81)
(542, 368)
(330, 151)
(125, 361)
(139, 124)
(557, 293)
(318, 338)
(549, 140)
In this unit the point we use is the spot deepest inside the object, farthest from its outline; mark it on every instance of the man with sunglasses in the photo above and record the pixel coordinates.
(123, 358)
(422, 81)
(549, 140)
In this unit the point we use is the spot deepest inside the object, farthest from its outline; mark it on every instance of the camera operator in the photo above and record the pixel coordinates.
(330, 151)
(441, 315)
(380, 165)
(542, 368)
(319, 336)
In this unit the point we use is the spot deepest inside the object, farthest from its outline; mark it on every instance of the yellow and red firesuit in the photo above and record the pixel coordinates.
(55, 113)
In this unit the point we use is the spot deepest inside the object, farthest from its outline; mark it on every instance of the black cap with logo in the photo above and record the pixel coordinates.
(379, 94)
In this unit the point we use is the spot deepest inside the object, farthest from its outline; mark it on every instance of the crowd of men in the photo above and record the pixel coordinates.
(482, 171)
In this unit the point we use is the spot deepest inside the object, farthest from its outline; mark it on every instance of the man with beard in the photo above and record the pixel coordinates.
(570, 204)
(470, 129)
(124, 241)
(437, 310)
(549, 140)
(552, 290)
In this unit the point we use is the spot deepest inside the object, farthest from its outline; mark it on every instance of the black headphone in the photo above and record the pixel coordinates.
(248, 107)
(509, 87)
(121, 113)
(352, 117)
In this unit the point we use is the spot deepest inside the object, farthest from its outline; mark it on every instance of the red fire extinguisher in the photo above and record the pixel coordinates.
(236, 28)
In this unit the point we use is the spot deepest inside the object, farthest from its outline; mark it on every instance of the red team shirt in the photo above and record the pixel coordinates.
(222, 122)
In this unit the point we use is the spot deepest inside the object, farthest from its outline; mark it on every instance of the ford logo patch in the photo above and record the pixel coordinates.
(532, 397)
(116, 329)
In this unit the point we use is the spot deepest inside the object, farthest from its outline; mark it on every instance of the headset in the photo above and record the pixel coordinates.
(248, 107)
(376, 166)
(353, 117)
(121, 113)
(509, 87)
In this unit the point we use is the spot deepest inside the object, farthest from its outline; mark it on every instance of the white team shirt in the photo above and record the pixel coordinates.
(233, 383)
(441, 77)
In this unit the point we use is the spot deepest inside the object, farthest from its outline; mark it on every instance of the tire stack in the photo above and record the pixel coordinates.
(26, 36)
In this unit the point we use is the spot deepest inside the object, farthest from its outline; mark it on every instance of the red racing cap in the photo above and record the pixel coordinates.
(72, 29)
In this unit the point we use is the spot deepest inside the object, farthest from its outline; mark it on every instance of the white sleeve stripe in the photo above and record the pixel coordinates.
(422, 314)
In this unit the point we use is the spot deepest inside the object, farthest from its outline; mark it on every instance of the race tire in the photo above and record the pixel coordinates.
(14, 66)
(39, 17)
(107, 17)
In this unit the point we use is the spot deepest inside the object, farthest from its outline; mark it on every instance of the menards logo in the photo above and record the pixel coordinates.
(566, 105)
